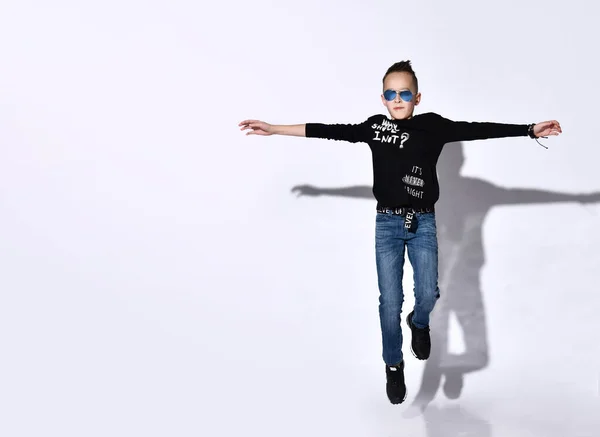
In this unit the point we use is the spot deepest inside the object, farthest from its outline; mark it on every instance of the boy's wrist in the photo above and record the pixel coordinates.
(531, 131)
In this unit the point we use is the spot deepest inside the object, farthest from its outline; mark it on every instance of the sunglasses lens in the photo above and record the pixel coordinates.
(389, 95)
(406, 95)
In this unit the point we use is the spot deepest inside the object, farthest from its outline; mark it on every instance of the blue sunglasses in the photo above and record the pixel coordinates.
(405, 95)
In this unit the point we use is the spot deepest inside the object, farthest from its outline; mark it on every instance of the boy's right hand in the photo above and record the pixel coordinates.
(258, 127)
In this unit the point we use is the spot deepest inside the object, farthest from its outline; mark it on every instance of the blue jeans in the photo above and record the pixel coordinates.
(391, 239)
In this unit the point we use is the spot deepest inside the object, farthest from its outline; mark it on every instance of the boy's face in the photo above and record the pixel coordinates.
(398, 108)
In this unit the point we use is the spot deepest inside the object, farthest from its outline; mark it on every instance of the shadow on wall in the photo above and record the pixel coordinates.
(460, 213)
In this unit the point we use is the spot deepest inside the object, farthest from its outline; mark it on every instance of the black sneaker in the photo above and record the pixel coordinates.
(395, 387)
(421, 343)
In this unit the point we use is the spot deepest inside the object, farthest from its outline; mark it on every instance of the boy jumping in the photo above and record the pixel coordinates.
(405, 151)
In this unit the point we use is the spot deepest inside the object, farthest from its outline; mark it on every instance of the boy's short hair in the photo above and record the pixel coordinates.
(403, 67)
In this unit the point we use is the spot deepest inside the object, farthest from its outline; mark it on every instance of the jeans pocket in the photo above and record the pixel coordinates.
(384, 226)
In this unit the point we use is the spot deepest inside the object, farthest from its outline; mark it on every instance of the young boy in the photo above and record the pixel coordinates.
(405, 150)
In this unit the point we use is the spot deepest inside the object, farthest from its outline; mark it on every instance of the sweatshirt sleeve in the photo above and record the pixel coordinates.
(353, 133)
(467, 131)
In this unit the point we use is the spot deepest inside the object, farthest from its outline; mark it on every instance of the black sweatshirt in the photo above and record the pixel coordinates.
(405, 152)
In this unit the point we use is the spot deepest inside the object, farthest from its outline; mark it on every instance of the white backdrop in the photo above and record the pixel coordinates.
(158, 276)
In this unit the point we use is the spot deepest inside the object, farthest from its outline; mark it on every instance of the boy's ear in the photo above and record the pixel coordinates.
(417, 99)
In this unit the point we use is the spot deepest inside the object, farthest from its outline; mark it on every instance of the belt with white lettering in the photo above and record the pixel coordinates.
(402, 210)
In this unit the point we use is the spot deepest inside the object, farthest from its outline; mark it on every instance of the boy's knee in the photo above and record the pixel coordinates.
(391, 301)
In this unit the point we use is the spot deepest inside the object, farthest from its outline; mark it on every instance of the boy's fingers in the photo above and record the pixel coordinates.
(247, 122)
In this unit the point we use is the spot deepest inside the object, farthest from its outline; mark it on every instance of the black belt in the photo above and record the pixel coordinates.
(402, 210)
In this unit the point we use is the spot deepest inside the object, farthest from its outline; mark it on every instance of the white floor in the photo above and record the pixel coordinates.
(275, 331)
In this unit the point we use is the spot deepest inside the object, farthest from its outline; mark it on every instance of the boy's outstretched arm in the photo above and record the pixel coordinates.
(353, 133)
(467, 131)
(357, 191)
(261, 128)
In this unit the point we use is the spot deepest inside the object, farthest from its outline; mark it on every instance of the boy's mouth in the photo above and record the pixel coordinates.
(397, 108)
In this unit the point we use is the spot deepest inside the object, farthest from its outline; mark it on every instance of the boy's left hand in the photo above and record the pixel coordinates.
(546, 128)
